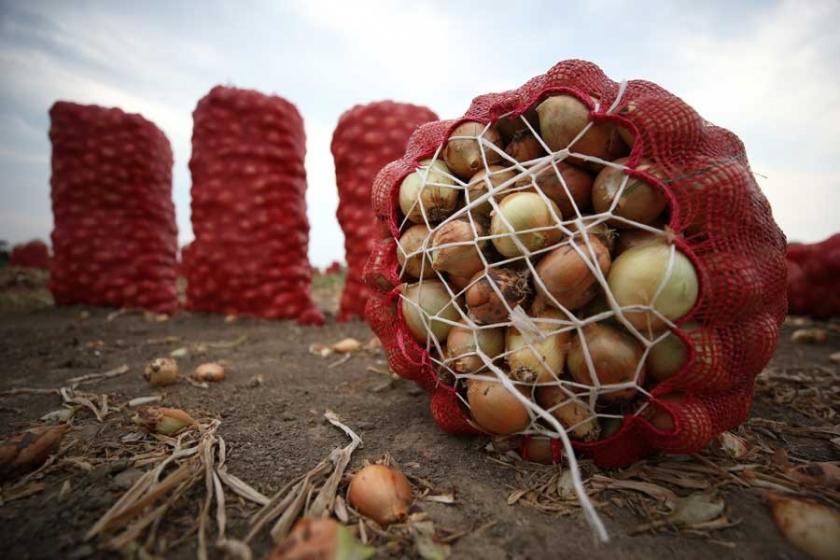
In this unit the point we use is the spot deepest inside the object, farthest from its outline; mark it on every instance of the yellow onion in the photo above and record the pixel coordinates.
(659, 416)
(569, 412)
(29, 449)
(538, 450)
(456, 249)
(463, 342)
(562, 117)
(477, 187)
(526, 365)
(434, 196)
(640, 201)
(209, 372)
(524, 211)
(458, 283)
(578, 182)
(567, 278)
(484, 304)
(629, 238)
(380, 493)
(162, 420)
(161, 371)
(615, 357)
(635, 277)
(463, 155)
(428, 299)
(322, 537)
(524, 146)
(494, 408)
(410, 242)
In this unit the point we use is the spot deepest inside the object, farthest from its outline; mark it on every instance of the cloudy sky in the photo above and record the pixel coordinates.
(769, 71)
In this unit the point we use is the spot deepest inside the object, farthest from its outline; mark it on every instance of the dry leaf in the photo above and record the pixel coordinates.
(734, 446)
(516, 496)
(140, 401)
(60, 415)
(814, 335)
(441, 498)
(319, 349)
(809, 526)
(426, 542)
(181, 352)
(696, 508)
(818, 474)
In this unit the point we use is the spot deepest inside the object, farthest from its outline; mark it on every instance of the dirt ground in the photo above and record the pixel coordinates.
(271, 410)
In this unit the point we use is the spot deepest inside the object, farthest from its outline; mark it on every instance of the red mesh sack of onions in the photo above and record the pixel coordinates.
(114, 237)
(366, 138)
(32, 254)
(249, 256)
(813, 270)
(578, 264)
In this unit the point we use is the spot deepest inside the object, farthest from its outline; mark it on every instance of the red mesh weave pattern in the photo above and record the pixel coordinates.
(366, 138)
(813, 270)
(249, 256)
(114, 237)
(32, 254)
(728, 233)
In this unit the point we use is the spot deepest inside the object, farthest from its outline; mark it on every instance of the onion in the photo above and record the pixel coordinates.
(454, 248)
(161, 371)
(209, 372)
(29, 449)
(410, 242)
(428, 299)
(569, 412)
(538, 450)
(525, 365)
(463, 155)
(640, 201)
(615, 356)
(162, 420)
(434, 197)
(629, 238)
(458, 282)
(667, 357)
(494, 408)
(578, 182)
(524, 146)
(477, 187)
(659, 416)
(635, 277)
(562, 117)
(320, 538)
(566, 276)
(380, 493)
(463, 342)
(524, 211)
(484, 304)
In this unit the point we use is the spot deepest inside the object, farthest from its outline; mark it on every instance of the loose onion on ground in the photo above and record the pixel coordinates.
(524, 211)
(426, 303)
(429, 190)
(161, 371)
(380, 493)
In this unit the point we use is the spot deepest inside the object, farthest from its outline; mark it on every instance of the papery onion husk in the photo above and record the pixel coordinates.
(524, 211)
(494, 409)
(538, 450)
(435, 196)
(211, 371)
(433, 299)
(161, 371)
(322, 537)
(457, 259)
(463, 342)
(380, 493)
(485, 306)
(569, 412)
(524, 146)
(410, 242)
(635, 277)
(578, 182)
(477, 187)
(29, 449)
(615, 356)
(547, 363)
(463, 155)
(563, 117)
(640, 201)
(565, 276)
(163, 420)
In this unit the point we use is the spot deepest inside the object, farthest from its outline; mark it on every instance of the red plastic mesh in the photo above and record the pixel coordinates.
(114, 237)
(813, 272)
(366, 138)
(249, 256)
(728, 233)
(32, 254)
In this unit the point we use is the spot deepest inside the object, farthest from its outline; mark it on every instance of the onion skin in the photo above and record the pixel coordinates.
(524, 211)
(437, 201)
(459, 260)
(615, 357)
(494, 409)
(566, 276)
(485, 306)
(477, 187)
(635, 277)
(463, 155)
(524, 365)
(380, 493)
(433, 299)
(462, 340)
(161, 371)
(569, 412)
(578, 181)
(562, 117)
(410, 241)
(640, 201)
(524, 146)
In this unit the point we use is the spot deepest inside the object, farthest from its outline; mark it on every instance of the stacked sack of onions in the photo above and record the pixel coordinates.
(578, 262)
(365, 139)
(813, 272)
(32, 254)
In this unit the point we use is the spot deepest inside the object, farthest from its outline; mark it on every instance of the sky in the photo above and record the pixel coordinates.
(769, 71)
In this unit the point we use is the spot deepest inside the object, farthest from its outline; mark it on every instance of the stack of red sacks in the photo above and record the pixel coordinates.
(367, 137)
(249, 256)
(114, 238)
(813, 273)
(32, 254)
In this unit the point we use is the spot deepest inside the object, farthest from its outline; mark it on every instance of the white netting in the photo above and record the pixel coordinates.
(580, 232)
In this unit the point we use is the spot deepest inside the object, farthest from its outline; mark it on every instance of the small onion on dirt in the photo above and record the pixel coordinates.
(544, 366)
(161, 371)
(162, 420)
(380, 493)
(428, 299)
(578, 183)
(477, 187)
(563, 117)
(524, 146)
(635, 279)
(615, 357)
(456, 247)
(640, 201)
(566, 277)
(572, 414)
(29, 449)
(313, 538)
(494, 408)
(484, 304)
(463, 155)
(411, 241)
(435, 196)
(209, 372)
(524, 211)
(463, 342)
